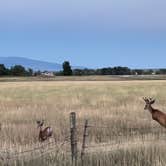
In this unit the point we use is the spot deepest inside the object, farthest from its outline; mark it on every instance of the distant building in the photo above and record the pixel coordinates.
(153, 73)
(47, 74)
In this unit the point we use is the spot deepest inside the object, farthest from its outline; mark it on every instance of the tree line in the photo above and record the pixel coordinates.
(67, 70)
(117, 70)
(16, 70)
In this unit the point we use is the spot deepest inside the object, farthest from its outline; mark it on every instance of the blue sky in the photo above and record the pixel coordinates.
(90, 33)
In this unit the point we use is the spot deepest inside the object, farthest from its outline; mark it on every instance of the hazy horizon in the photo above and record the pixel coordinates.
(87, 33)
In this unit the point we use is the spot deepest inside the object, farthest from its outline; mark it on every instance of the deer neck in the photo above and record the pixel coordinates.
(151, 109)
(41, 129)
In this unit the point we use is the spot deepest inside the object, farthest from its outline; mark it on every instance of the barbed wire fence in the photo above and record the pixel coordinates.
(85, 146)
(8, 156)
(76, 147)
(43, 150)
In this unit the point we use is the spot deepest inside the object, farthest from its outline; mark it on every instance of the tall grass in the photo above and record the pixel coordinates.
(117, 105)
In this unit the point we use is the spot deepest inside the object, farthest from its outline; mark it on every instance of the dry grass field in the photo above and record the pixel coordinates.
(131, 137)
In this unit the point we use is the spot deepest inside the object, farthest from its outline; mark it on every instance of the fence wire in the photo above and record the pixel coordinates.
(54, 146)
(39, 151)
(134, 131)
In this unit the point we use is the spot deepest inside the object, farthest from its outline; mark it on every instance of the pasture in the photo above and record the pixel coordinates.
(130, 138)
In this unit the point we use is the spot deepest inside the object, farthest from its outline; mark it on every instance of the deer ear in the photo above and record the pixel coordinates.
(145, 99)
(42, 122)
(38, 121)
(152, 102)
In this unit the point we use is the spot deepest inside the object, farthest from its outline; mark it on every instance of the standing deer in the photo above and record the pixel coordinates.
(157, 115)
(45, 133)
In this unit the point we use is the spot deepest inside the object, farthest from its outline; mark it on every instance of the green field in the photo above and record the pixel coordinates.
(130, 138)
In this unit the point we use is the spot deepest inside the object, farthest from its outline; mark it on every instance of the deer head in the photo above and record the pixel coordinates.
(148, 102)
(40, 123)
(45, 133)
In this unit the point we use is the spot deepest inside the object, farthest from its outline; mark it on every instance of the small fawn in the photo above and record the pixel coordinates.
(45, 133)
(157, 115)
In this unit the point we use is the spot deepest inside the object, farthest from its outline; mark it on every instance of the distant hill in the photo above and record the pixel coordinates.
(30, 63)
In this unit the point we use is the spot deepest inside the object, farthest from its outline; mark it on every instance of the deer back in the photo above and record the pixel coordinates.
(159, 116)
(45, 133)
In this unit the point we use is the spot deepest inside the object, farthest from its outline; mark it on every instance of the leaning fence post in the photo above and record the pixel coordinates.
(73, 138)
(85, 134)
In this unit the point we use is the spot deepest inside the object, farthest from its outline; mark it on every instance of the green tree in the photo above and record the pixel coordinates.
(18, 70)
(161, 71)
(30, 72)
(3, 70)
(37, 73)
(67, 71)
(147, 72)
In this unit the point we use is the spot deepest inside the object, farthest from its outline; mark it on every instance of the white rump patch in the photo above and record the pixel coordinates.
(49, 130)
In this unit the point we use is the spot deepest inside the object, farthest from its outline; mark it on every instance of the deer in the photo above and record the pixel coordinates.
(45, 133)
(157, 115)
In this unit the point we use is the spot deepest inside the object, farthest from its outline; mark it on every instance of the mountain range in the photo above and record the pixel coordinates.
(31, 63)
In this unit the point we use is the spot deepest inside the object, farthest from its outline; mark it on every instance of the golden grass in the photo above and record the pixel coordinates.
(116, 104)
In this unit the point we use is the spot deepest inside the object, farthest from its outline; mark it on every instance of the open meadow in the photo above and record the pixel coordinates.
(122, 132)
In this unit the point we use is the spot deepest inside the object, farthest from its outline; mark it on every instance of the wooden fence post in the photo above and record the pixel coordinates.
(73, 138)
(85, 134)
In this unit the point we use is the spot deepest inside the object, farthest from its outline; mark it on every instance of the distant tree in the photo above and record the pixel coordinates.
(89, 72)
(18, 70)
(3, 70)
(30, 72)
(67, 71)
(148, 72)
(78, 72)
(59, 73)
(37, 73)
(118, 70)
(104, 71)
(161, 71)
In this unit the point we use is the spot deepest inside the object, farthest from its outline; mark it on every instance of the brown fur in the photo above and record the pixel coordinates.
(157, 115)
(45, 133)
